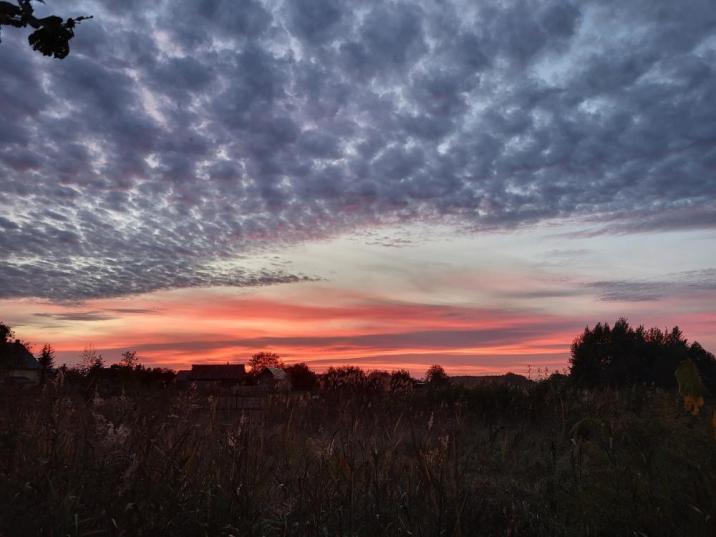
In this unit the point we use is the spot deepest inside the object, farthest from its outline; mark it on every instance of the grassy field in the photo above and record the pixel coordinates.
(494, 460)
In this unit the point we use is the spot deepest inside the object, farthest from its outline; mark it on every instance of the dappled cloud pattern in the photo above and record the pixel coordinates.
(185, 133)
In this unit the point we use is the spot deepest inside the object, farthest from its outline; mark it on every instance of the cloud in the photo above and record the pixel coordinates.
(77, 316)
(515, 336)
(175, 137)
(122, 277)
(137, 311)
(629, 291)
(106, 314)
(683, 283)
(700, 280)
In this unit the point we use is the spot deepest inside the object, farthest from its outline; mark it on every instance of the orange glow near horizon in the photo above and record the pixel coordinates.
(178, 328)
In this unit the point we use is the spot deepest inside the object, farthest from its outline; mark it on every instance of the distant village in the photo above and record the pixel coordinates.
(264, 373)
(19, 367)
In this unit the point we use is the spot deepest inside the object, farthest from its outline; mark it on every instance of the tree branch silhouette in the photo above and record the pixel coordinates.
(52, 34)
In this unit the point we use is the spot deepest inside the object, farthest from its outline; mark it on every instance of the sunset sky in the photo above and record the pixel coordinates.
(384, 184)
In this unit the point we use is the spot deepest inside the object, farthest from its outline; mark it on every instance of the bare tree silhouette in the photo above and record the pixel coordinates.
(262, 360)
(52, 34)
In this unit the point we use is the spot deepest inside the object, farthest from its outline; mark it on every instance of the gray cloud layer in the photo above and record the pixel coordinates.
(701, 282)
(181, 135)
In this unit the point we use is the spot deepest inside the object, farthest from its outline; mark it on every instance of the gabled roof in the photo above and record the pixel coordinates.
(217, 372)
(14, 355)
(276, 373)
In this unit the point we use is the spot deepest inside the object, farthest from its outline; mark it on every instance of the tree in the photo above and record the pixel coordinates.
(706, 364)
(6, 333)
(436, 376)
(262, 360)
(589, 355)
(90, 360)
(623, 356)
(345, 379)
(303, 378)
(52, 34)
(401, 382)
(129, 359)
(46, 361)
(378, 381)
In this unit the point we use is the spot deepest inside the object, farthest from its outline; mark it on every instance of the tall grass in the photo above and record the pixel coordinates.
(491, 461)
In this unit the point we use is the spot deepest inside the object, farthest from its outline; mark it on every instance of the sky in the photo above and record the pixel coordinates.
(388, 184)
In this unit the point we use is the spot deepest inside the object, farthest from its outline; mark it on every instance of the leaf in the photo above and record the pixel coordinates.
(691, 387)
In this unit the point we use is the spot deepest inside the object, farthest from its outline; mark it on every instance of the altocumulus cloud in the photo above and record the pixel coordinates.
(182, 134)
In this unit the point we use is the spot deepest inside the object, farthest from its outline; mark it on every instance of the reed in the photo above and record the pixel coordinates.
(544, 460)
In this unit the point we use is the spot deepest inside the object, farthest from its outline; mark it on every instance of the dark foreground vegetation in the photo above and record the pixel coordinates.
(551, 459)
(558, 457)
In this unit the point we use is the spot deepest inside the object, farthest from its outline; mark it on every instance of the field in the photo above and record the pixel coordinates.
(546, 459)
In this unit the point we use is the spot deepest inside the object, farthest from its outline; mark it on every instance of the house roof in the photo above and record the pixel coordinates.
(276, 373)
(217, 372)
(14, 355)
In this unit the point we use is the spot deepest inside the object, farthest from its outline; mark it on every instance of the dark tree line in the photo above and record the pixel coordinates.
(125, 375)
(621, 355)
(52, 34)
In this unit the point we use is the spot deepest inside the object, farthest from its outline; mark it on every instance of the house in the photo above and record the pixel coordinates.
(17, 364)
(274, 378)
(215, 376)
